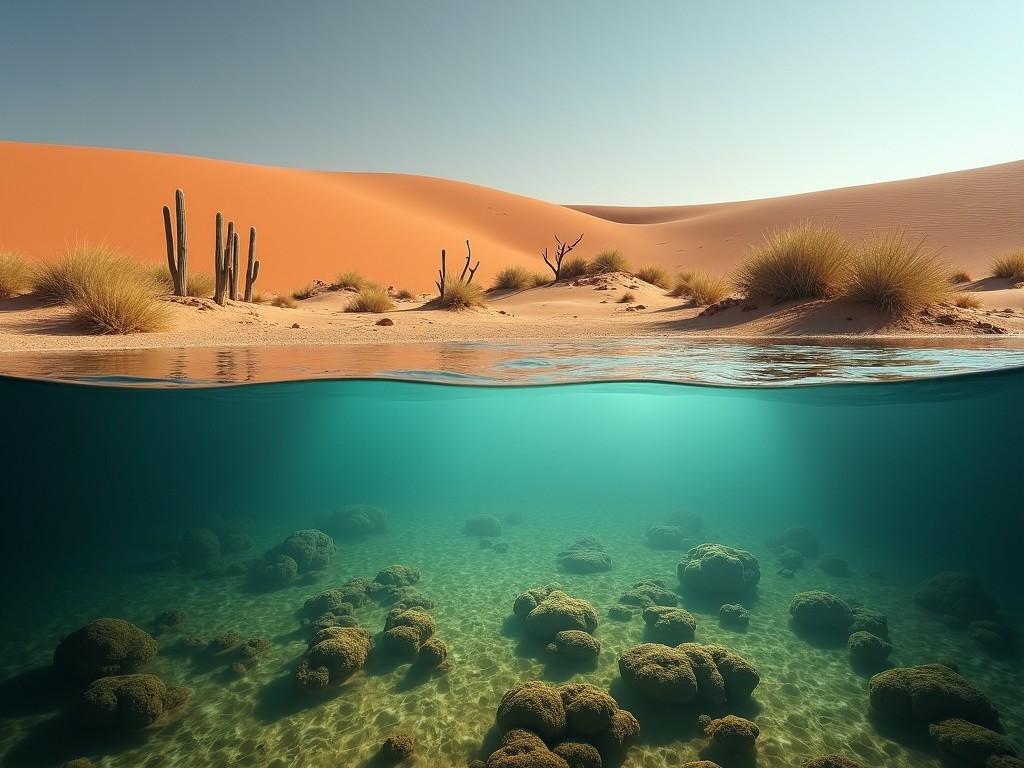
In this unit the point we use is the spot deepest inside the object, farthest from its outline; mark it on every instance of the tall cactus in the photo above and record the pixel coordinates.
(177, 255)
(252, 269)
(218, 261)
(234, 267)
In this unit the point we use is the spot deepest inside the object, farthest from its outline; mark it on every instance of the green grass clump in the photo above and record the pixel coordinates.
(1010, 266)
(573, 267)
(966, 300)
(284, 302)
(681, 285)
(897, 276)
(370, 299)
(513, 278)
(802, 262)
(959, 278)
(654, 275)
(608, 261)
(351, 280)
(704, 288)
(16, 275)
(106, 290)
(461, 295)
(627, 298)
(304, 291)
(404, 294)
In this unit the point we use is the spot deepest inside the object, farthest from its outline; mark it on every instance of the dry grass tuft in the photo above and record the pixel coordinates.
(898, 277)
(655, 275)
(704, 288)
(351, 280)
(16, 275)
(404, 294)
(607, 261)
(461, 295)
(681, 285)
(573, 267)
(370, 299)
(802, 262)
(304, 291)
(967, 300)
(959, 278)
(513, 278)
(106, 290)
(285, 302)
(627, 298)
(1010, 266)
(540, 279)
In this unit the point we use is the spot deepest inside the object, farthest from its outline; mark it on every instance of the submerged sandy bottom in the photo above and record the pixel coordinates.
(809, 701)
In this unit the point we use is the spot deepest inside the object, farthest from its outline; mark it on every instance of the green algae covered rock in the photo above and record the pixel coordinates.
(104, 647)
(585, 555)
(558, 612)
(334, 655)
(974, 744)
(659, 672)
(129, 702)
(956, 594)
(534, 706)
(821, 611)
(929, 693)
(733, 734)
(355, 521)
(649, 592)
(311, 550)
(831, 761)
(669, 625)
(867, 649)
(521, 748)
(576, 645)
(578, 754)
(715, 569)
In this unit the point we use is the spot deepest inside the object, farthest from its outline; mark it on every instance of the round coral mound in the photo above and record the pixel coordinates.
(104, 647)
(535, 706)
(660, 672)
(715, 569)
(129, 701)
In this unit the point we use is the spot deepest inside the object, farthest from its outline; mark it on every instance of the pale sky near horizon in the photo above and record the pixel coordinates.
(584, 102)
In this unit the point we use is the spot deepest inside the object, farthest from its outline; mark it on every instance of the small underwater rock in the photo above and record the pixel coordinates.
(649, 592)
(868, 650)
(620, 613)
(715, 569)
(521, 748)
(397, 747)
(974, 744)
(104, 647)
(992, 637)
(483, 525)
(405, 631)
(786, 573)
(170, 619)
(129, 702)
(669, 625)
(659, 672)
(486, 544)
(310, 549)
(956, 594)
(334, 655)
(733, 734)
(548, 611)
(791, 559)
(355, 521)
(929, 693)
(585, 555)
(578, 754)
(433, 653)
(821, 611)
(535, 706)
(734, 615)
(576, 645)
(334, 601)
(224, 641)
(501, 547)
(866, 620)
(199, 547)
(796, 538)
(398, 576)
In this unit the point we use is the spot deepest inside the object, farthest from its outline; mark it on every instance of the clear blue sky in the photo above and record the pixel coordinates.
(600, 101)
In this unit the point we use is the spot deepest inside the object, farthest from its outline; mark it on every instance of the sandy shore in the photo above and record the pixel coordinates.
(587, 309)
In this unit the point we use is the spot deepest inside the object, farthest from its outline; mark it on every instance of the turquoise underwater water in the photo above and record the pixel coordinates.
(902, 480)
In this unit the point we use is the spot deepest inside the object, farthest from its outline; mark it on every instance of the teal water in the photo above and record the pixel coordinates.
(902, 480)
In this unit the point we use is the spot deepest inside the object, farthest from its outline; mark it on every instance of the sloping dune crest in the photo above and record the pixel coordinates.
(391, 227)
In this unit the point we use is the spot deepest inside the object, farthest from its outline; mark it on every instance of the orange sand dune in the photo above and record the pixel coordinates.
(391, 227)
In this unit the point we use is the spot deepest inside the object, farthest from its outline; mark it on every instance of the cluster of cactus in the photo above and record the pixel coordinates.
(225, 266)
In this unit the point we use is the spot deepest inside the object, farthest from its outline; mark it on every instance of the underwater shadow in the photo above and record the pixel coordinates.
(279, 698)
(868, 669)
(729, 758)
(912, 737)
(826, 639)
(419, 674)
(60, 738)
(711, 604)
(34, 692)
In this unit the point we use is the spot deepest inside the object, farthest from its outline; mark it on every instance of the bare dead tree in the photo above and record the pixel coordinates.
(560, 253)
(442, 273)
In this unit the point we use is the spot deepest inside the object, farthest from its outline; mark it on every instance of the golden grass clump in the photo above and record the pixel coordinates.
(351, 280)
(404, 294)
(16, 275)
(370, 299)
(897, 276)
(959, 278)
(106, 290)
(681, 285)
(655, 275)
(199, 284)
(461, 295)
(513, 278)
(802, 262)
(627, 298)
(966, 300)
(704, 288)
(284, 302)
(304, 291)
(573, 267)
(1010, 266)
(607, 261)
(540, 279)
